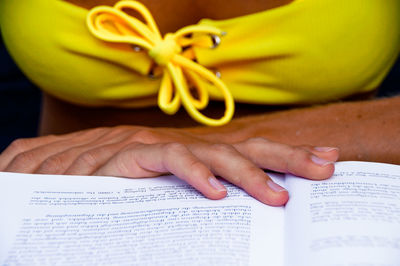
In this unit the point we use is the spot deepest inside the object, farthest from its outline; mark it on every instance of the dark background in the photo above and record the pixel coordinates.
(19, 102)
(20, 99)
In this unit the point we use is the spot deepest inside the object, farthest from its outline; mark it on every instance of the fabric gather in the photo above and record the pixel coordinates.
(173, 57)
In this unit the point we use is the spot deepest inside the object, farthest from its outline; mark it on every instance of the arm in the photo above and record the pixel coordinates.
(235, 152)
(363, 130)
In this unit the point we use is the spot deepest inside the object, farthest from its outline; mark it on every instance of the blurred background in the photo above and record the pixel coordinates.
(19, 102)
(20, 99)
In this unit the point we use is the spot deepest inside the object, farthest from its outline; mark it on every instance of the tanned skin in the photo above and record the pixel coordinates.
(303, 140)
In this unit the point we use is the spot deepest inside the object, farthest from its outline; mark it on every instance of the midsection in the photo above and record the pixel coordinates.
(170, 15)
(59, 117)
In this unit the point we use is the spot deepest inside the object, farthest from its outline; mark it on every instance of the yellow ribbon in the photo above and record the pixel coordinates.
(113, 24)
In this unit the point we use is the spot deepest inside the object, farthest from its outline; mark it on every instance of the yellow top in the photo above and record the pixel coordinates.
(308, 51)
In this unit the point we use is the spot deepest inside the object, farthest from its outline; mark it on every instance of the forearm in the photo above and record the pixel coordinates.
(365, 130)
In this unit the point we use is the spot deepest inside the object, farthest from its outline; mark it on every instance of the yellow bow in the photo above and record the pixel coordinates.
(169, 53)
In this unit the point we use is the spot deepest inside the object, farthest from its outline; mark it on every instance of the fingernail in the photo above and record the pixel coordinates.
(274, 186)
(216, 184)
(325, 149)
(320, 161)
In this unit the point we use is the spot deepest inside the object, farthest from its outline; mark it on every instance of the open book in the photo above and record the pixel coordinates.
(350, 219)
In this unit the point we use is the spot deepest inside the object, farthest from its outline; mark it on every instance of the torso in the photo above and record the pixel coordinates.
(59, 117)
(172, 15)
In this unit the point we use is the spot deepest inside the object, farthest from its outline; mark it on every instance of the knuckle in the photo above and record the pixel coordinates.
(88, 158)
(300, 164)
(19, 145)
(252, 173)
(133, 145)
(254, 143)
(223, 148)
(147, 136)
(293, 159)
(28, 157)
(173, 148)
(53, 164)
(121, 163)
(257, 141)
(198, 169)
(297, 153)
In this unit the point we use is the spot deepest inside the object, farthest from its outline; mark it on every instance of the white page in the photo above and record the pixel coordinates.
(116, 221)
(350, 219)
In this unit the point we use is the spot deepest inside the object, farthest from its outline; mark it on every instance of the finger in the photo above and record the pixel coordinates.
(30, 160)
(88, 162)
(22, 145)
(327, 153)
(87, 158)
(298, 160)
(149, 160)
(225, 161)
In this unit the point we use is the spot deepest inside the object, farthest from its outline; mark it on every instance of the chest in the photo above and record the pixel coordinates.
(172, 15)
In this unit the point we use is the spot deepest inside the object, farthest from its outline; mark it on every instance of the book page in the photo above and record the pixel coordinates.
(73, 220)
(351, 219)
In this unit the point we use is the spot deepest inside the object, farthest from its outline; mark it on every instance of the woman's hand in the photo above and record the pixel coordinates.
(135, 152)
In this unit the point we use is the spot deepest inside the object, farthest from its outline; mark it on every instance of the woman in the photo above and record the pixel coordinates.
(94, 63)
